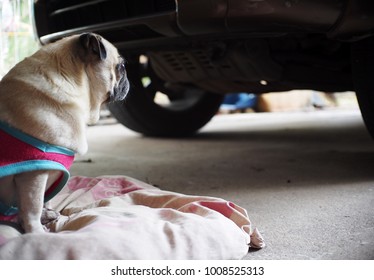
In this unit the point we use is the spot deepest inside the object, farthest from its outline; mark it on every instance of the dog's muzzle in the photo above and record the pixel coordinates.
(120, 91)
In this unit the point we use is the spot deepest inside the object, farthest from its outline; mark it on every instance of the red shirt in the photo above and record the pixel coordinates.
(20, 153)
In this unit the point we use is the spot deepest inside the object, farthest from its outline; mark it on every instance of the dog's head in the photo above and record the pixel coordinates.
(105, 68)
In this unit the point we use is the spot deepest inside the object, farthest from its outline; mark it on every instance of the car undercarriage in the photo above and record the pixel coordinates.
(197, 51)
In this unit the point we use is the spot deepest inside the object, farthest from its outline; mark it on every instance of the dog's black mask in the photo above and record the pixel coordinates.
(120, 91)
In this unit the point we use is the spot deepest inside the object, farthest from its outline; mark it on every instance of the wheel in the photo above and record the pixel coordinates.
(155, 108)
(363, 75)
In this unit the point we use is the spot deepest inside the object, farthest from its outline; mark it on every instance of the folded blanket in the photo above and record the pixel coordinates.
(119, 217)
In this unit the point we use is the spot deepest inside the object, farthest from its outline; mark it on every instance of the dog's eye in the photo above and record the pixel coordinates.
(121, 67)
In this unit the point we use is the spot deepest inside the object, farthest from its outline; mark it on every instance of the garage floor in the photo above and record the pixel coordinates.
(306, 178)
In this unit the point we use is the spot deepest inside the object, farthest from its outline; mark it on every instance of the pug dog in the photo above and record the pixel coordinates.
(46, 101)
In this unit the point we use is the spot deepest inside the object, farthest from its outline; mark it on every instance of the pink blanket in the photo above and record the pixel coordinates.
(123, 218)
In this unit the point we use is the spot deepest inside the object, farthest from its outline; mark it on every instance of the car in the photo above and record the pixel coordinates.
(184, 56)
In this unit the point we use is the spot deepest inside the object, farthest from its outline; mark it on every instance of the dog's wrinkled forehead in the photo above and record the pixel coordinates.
(122, 87)
(101, 52)
(121, 65)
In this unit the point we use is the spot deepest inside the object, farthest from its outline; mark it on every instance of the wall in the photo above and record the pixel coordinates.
(17, 39)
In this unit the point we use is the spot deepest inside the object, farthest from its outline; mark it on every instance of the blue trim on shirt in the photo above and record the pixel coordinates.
(33, 165)
(7, 210)
(45, 147)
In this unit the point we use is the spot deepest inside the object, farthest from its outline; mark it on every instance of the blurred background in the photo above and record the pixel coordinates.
(17, 39)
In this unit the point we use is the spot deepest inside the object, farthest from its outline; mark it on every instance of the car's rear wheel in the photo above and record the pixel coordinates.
(363, 78)
(155, 108)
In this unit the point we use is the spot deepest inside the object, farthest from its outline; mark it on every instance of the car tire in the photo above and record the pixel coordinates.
(363, 75)
(189, 108)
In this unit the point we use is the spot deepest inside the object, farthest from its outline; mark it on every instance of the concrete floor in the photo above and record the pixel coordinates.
(306, 179)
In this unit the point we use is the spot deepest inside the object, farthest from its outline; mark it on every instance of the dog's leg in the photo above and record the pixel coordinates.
(48, 214)
(30, 188)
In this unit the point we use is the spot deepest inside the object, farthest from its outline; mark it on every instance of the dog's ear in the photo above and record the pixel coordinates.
(92, 43)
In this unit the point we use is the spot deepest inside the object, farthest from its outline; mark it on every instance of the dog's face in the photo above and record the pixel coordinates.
(105, 68)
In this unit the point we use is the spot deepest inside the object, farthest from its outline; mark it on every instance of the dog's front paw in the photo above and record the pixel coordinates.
(48, 215)
(32, 227)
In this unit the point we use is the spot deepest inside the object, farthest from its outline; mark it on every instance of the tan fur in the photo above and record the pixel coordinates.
(52, 95)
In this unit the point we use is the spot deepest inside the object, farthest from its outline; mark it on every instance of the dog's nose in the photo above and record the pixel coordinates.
(120, 92)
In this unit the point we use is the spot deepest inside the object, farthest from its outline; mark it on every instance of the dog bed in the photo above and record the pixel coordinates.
(118, 217)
